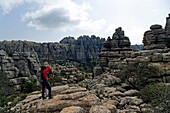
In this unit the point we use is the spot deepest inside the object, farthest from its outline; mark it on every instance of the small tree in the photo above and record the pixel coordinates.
(158, 95)
(137, 74)
(29, 86)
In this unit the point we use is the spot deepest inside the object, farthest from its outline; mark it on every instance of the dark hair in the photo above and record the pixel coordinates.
(43, 67)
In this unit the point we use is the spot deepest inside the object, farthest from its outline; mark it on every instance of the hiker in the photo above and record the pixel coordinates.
(44, 80)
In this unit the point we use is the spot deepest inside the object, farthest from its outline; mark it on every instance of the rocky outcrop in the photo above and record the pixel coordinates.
(118, 42)
(20, 59)
(65, 98)
(84, 50)
(167, 26)
(107, 82)
(75, 99)
(114, 50)
(111, 89)
(157, 37)
(19, 68)
(154, 38)
(69, 74)
(155, 52)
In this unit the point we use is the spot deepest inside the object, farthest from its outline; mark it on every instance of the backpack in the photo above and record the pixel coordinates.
(40, 76)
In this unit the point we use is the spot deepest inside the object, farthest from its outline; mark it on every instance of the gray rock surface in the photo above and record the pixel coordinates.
(18, 68)
(157, 37)
(118, 41)
(84, 50)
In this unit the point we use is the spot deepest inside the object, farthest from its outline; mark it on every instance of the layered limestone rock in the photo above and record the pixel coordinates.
(111, 89)
(18, 68)
(84, 50)
(156, 52)
(65, 98)
(157, 37)
(75, 99)
(69, 74)
(167, 26)
(118, 42)
(114, 50)
(112, 61)
(154, 38)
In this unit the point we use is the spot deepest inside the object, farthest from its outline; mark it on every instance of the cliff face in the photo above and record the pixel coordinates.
(84, 50)
(19, 68)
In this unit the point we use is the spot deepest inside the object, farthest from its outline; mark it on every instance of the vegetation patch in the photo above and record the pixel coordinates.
(137, 74)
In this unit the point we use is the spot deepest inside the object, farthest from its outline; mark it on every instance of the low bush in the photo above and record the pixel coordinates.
(155, 93)
(85, 68)
(29, 86)
(137, 74)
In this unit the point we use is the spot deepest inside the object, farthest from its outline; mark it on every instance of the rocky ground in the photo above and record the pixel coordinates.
(103, 94)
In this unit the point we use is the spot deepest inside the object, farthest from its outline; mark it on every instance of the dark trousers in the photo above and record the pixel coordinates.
(48, 86)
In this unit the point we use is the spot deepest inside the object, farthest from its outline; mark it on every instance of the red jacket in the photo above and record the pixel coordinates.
(48, 68)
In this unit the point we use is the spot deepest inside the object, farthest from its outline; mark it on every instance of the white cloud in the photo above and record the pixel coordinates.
(63, 15)
(50, 18)
(8, 5)
(99, 17)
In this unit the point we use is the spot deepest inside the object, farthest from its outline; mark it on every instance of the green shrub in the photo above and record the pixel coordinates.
(137, 74)
(28, 87)
(85, 68)
(155, 93)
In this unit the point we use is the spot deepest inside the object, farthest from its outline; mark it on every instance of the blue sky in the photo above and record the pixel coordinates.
(52, 20)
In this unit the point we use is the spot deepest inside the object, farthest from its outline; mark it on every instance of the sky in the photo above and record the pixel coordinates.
(52, 20)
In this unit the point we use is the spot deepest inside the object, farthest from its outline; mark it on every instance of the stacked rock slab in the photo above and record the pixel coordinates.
(119, 41)
(167, 27)
(116, 54)
(154, 38)
(157, 37)
(114, 50)
(18, 68)
(167, 31)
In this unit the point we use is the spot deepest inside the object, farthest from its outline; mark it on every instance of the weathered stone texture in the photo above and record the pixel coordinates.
(118, 41)
(18, 68)
(84, 50)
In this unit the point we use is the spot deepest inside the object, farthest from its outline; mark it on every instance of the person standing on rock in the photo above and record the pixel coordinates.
(44, 80)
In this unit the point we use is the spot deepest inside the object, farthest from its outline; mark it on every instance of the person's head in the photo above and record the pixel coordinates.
(45, 64)
(43, 67)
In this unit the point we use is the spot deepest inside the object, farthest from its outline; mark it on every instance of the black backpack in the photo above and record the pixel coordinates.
(40, 76)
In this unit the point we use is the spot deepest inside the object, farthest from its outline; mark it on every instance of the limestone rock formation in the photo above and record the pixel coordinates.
(18, 68)
(114, 50)
(69, 73)
(84, 50)
(157, 37)
(64, 98)
(75, 99)
(118, 41)
(167, 26)
(154, 38)
(112, 90)
(106, 82)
